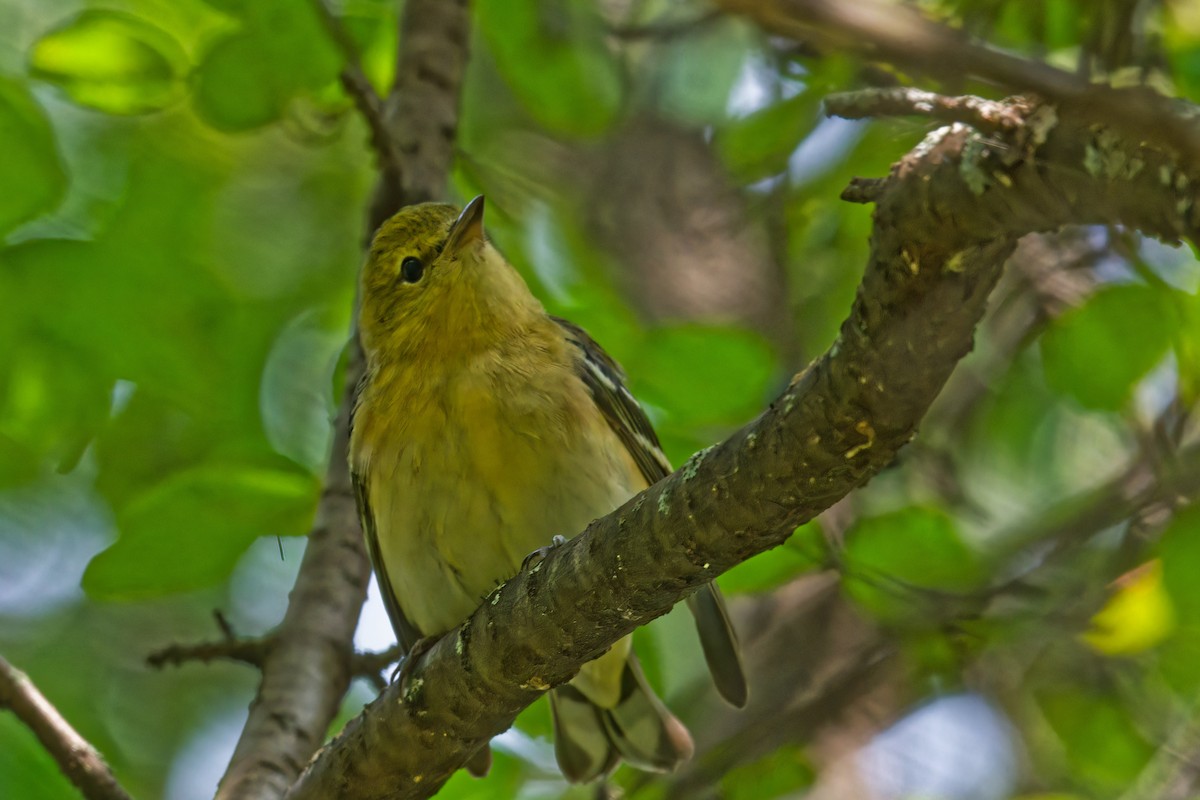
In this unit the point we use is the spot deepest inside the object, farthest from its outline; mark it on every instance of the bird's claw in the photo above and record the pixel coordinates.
(536, 556)
(403, 670)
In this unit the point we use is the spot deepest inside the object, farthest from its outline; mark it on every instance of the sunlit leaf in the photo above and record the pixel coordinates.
(188, 531)
(1136, 617)
(111, 61)
(30, 167)
(1097, 352)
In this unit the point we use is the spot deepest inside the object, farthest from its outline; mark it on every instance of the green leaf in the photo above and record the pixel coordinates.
(703, 375)
(248, 79)
(112, 62)
(188, 531)
(1097, 353)
(553, 55)
(782, 773)
(760, 144)
(236, 88)
(26, 769)
(50, 407)
(30, 168)
(1102, 745)
(1179, 549)
(890, 558)
(805, 551)
(296, 403)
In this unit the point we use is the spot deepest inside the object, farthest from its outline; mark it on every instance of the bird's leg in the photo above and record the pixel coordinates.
(536, 556)
(403, 670)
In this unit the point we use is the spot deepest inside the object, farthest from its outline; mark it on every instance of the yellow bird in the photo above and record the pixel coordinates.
(484, 428)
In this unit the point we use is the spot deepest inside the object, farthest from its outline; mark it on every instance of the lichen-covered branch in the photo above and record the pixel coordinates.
(946, 219)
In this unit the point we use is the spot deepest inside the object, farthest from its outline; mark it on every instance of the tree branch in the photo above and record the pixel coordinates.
(982, 115)
(253, 650)
(358, 86)
(903, 35)
(76, 757)
(947, 217)
(306, 670)
(308, 667)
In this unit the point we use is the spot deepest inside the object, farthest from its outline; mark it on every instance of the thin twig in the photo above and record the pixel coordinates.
(254, 651)
(248, 651)
(373, 663)
(356, 83)
(76, 757)
(986, 116)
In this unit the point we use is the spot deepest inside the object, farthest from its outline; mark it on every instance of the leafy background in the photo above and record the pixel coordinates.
(182, 224)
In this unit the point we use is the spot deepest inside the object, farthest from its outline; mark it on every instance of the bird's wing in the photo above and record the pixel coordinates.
(406, 633)
(606, 383)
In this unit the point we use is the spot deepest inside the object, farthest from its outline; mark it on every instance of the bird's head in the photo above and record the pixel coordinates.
(433, 281)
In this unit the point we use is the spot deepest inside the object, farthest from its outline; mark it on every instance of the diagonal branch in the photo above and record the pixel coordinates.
(946, 219)
(76, 757)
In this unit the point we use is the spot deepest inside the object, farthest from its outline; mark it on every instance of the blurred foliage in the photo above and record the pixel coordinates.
(187, 183)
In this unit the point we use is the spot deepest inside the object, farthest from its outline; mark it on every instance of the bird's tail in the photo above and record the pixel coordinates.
(589, 739)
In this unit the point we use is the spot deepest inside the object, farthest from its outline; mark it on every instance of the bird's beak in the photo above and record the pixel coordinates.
(467, 228)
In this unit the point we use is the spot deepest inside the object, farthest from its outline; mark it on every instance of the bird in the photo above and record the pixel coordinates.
(483, 428)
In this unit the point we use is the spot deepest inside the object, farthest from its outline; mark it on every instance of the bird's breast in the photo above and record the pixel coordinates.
(488, 466)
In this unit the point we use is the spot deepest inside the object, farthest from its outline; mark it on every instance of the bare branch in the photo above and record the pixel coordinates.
(231, 647)
(76, 757)
(247, 651)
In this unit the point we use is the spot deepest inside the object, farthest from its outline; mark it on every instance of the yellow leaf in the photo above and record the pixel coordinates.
(1137, 617)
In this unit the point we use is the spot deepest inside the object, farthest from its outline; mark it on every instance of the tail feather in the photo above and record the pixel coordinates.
(590, 740)
(641, 728)
(719, 643)
(581, 742)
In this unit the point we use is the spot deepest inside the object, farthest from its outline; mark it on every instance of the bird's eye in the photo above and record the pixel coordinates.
(411, 269)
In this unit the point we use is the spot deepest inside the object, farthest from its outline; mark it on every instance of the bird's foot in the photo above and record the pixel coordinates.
(403, 670)
(535, 558)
